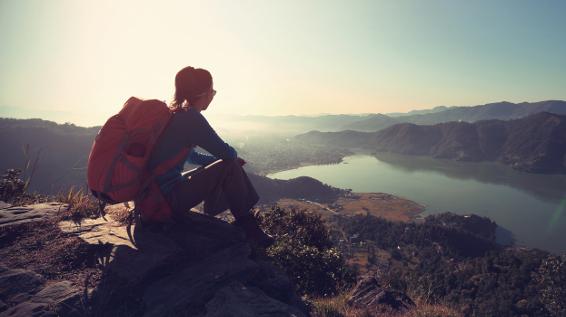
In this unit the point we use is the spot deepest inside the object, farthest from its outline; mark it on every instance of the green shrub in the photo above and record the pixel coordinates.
(304, 250)
(12, 187)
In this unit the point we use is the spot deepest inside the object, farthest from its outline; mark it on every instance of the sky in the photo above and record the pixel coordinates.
(78, 61)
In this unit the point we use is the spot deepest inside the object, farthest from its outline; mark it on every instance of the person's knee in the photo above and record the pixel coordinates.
(228, 164)
(232, 163)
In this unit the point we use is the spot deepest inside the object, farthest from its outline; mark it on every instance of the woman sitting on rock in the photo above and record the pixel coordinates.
(222, 183)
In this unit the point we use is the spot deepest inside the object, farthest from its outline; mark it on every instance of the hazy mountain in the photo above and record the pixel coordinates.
(67, 128)
(536, 143)
(498, 110)
(373, 122)
(62, 151)
(244, 125)
(281, 125)
(417, 112)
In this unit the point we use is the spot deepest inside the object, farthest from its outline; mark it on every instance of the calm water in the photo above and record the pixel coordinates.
(531, 206)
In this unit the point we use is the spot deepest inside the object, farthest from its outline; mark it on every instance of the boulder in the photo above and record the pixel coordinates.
(15, 215)
(25, 293)
(237, 299)
(16, 285)
(200, 266)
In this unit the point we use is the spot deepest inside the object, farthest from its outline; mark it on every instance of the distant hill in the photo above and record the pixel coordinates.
(63, 151)
(63, 148)
(67, 128)
(283, 125)
(499, 110)
(416, 112)
(376, 121)
(373, 123)
(536, 143)
(271, 190)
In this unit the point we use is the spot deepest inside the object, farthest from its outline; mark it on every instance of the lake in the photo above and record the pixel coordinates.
(530, 207)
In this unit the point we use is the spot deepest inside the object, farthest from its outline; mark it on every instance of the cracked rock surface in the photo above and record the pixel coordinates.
(200, 266)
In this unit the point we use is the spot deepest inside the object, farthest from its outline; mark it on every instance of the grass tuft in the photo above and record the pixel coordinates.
(80, 205)
(337, 306)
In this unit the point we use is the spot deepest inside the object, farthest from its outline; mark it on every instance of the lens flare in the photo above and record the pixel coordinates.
(557, 215)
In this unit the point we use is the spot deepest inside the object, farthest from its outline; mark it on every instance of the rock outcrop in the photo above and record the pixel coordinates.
(26, 293)
(369, 294)
(17, 215)
(201, 266)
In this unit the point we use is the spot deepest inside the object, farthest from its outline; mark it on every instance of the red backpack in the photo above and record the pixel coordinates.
(118, 161)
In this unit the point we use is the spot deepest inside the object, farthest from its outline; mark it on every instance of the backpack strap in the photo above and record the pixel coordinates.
(136, 215)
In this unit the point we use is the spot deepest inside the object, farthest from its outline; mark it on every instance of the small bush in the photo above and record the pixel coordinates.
(80, 205)
(15, 182)
(304, 250)
(13, 189)
(11, 185)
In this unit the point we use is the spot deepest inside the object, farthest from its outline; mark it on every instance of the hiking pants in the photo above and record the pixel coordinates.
(221, 185)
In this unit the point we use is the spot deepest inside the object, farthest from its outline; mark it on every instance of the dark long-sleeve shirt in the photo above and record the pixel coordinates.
(188, 129)
(197, 158)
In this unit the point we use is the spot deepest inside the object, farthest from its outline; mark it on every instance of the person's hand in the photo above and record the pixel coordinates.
(241, 161)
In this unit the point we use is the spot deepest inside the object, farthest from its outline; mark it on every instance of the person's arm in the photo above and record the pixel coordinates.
(204, 136)
(198, 158)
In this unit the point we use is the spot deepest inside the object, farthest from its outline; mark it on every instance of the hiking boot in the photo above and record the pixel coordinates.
(253, 231)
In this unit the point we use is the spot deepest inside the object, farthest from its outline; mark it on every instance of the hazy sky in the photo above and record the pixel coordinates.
(78, 61)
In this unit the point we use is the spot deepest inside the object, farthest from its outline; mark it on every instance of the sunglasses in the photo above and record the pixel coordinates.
(204, 93)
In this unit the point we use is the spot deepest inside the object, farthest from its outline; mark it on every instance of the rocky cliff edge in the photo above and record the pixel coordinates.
(200, 267)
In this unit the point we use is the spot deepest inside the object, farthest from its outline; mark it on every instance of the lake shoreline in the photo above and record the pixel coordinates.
(531, 206)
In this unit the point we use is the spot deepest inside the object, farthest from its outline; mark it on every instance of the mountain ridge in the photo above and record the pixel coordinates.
(535, 144)
(503, 110)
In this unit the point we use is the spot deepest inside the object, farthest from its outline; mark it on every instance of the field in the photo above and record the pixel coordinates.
(376, 204)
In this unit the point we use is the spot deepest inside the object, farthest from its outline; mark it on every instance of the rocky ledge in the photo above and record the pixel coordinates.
(201, 266)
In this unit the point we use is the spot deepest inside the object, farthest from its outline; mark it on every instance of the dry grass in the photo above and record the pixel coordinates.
(120, 212)
(338, 307)
(308, 207)
(43, 248)
(428, 310)
(80, 205)
(360, 261)
(386, 206)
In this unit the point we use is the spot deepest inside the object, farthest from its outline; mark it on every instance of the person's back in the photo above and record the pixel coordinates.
(188, 129)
